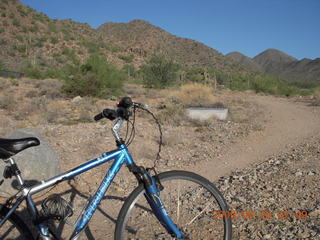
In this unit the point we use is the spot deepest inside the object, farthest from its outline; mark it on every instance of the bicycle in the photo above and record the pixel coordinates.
(169, 205)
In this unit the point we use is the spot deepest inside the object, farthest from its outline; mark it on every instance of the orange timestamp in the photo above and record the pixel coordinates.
(258, 214)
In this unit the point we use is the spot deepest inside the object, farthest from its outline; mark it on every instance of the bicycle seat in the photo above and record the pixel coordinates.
(10, 147)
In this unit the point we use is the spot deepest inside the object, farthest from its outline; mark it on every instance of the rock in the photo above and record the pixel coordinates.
(298, 174)
(76, 99)
(35, 163)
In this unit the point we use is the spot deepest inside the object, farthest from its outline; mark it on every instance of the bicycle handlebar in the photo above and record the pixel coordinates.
(123, 111)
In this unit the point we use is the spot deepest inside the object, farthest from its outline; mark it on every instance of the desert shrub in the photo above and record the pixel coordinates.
(40, 17)
(21, 10)
(2, 30)
(159, 72)
(54, 40)
(15, 22)
(32, 71)
(172, 114)
(91, 46)
(129, 69)
(126, 58)
(32, 94)
(24, 29)
(96, 77)
(194, 95)
(33, 28)
(3, 67)
(194, 74)
(3, 41)
(21, 48)
(5, 23)
(51, 88)
(19, 37)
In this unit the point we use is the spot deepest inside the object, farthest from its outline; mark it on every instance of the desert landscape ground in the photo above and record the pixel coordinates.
(56, 75)
(264, 158)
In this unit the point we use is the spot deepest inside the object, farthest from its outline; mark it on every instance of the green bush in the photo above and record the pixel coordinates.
(54, 40)
(15, 22)
(159, 72)
(96, 77)
(91, 46)
(33, 28)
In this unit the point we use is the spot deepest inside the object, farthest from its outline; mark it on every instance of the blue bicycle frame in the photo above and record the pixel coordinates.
(120, 156)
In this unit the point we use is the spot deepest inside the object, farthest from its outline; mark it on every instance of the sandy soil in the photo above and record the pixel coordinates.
(288, 124)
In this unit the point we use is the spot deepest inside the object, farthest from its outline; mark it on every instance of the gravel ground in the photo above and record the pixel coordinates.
(279, 198)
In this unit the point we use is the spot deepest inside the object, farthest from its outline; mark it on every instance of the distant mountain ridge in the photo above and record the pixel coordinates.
(141, 37)
(305, 72)
(32, 38)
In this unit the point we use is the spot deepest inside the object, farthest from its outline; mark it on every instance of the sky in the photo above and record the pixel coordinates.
(246, 26)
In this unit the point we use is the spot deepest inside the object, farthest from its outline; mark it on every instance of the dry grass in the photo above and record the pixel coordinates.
(7, 102)
(194, 95)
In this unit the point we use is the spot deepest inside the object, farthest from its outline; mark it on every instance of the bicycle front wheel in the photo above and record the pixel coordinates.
(189, 199)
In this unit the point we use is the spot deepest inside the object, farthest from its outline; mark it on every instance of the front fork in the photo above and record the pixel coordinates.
(153, 187)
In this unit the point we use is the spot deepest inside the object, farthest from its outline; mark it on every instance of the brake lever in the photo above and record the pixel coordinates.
(141, 105)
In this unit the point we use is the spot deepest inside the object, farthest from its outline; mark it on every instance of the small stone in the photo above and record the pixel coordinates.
(298, 174)
(76, 99)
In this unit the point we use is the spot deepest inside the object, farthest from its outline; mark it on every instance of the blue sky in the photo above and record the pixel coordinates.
(247, 26)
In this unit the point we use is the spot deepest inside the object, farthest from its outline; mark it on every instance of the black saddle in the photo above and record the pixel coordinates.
(10, 147)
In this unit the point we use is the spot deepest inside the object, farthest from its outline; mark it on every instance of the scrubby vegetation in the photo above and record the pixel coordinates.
(194, 95)
(96, 77)
(159, 72)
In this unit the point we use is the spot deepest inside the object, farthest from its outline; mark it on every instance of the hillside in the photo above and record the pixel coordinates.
(29, 38)
(245, 61)
(303, 73)
(144, 38)
(273, 61)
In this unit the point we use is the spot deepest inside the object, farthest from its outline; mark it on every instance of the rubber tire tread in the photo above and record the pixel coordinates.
(176, 174)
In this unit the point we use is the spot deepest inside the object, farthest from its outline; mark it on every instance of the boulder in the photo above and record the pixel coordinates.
(35, 163)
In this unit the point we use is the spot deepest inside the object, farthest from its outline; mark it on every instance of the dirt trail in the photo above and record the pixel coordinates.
(288, 124)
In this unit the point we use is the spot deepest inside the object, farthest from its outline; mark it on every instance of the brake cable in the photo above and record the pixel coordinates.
(158, 157)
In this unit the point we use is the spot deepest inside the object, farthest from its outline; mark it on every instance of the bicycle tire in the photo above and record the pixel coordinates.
(204, 189)
(14, 227)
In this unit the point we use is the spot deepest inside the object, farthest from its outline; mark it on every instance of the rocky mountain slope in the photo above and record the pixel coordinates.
(32, 38)
(245, 61)
(305, 72)
(144, 38)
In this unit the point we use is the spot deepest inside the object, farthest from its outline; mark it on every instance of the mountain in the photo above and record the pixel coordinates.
(303, 73)
(32, 38)
(145, 39)
(273, 61)
(245, 61)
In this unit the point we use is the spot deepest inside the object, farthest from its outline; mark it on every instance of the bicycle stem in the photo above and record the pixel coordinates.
(115, 131)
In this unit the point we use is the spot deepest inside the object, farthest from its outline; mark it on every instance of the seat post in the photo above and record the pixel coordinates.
(16, 170)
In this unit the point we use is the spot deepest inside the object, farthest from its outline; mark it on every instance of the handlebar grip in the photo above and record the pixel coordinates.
(98, 116)
(106, 113)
